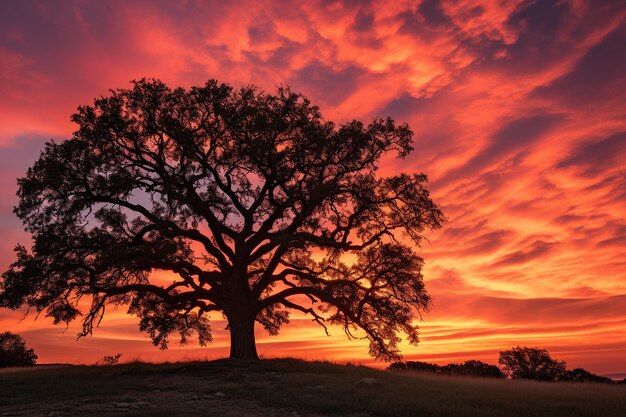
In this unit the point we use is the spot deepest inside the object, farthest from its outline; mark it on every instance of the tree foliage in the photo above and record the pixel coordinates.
(418, 366)
(531, 363)
(251, 202)
(583, 375)
(472, 368)
(517, 363)
(467, 368)
(13, 351)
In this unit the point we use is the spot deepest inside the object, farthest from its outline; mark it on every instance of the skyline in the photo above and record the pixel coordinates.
(518, 113)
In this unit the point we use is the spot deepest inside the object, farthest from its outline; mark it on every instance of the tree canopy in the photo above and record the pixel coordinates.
(583, 375)
(467, 368)
(252, 202)
(13, 351)
(531, 363)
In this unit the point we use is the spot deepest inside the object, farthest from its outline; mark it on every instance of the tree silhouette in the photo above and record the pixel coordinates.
(252, 202)
(531, 363)
(13, 351)
(415, 366)
(583, 375)
(467, 368)
(473, 368)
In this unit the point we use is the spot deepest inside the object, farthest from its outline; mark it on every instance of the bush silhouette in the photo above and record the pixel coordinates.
(517, 363)
(467, 368)
(13, 351)
(111, 359)
(473, 368)
(414, 366)
(582, 375)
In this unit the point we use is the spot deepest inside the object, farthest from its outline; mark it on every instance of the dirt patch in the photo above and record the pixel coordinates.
(179, 394)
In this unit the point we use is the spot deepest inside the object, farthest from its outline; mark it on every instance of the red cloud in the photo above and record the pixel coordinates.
(518, 111)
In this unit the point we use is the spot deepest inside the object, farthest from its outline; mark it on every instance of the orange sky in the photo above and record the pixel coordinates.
(519, 114)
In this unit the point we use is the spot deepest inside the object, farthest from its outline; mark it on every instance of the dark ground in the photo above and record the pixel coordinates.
(287, 387)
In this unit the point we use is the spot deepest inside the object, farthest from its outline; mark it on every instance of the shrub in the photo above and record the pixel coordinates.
(469, 368)
(112, 360)
(397, 366)
(422, 366)
(582, 375)
(415, 366)
(473, 368)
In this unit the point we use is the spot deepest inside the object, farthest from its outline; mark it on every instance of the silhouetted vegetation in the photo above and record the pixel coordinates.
(231, 192)
(414, 366)
(531, 363)
(473, 368)
(467, 368)
(13, 351)
(111, 359)
(537, 364)
(517, 363)
(582, 375)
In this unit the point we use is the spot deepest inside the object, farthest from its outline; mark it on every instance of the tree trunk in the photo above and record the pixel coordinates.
(242, 342)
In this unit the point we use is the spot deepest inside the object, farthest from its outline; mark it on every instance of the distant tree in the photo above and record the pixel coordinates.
(468, 368)
(397, 366)
(473, 368)
(531, 363)
(414, 366)
(252, 202)
(13, 351)
(582, 375)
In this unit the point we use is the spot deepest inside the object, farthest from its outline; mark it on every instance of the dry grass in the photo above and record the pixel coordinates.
(286, 386)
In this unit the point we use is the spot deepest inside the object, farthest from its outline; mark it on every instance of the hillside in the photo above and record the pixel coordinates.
(287, 387)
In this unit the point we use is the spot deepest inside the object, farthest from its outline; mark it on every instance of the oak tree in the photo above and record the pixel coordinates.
(531, 363)
(252, 203)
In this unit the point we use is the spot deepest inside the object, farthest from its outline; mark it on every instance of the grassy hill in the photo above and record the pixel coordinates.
(287, 387)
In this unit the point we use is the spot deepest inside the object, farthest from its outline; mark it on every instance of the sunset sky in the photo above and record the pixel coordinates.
(519, 114)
